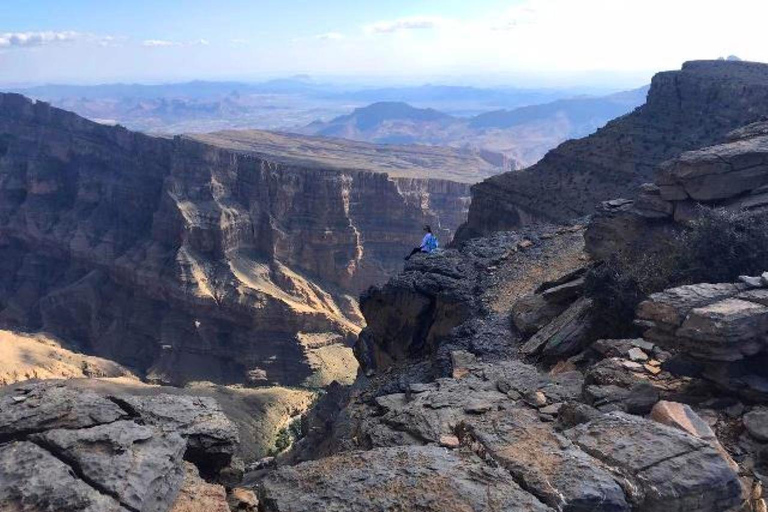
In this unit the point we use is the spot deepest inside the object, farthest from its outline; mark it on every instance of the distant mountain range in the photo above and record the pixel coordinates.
(202, 106)
(523, 134)
(509, 126)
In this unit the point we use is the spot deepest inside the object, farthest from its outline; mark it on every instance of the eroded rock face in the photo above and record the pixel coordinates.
(440, 388)
(184, 261)
(722, 326)
(685, 110)
(730, 175)
(64, 448)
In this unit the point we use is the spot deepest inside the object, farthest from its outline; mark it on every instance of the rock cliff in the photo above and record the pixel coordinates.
(482, 366)
(455, 410)
(685, 110)
(184, 261)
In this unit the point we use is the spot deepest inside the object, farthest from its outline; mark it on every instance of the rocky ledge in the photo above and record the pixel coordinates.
(63, 448)
(456, 408)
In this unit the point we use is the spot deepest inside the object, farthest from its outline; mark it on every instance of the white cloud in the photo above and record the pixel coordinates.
(330, 36)
(28, 39)
(166, 43)
(159, 43)
(412, 23)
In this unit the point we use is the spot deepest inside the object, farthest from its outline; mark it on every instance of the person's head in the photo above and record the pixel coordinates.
(427, 228)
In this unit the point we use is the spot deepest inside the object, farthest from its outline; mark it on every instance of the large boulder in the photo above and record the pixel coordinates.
(428, 479)
(668, 469)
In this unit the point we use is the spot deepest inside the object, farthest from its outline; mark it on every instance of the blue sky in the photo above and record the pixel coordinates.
(549, 41)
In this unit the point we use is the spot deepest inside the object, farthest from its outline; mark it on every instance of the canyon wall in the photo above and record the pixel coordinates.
(686, 109)
(185, 261)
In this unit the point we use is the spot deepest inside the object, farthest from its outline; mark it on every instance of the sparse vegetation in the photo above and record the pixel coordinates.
(286, 436)
(718, 247)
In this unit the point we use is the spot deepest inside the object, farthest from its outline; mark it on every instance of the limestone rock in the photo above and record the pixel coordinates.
(564, 335)
(242, 500)
(211, 438)
(426, 478)
(669, 469)
(682, 417)
(637, 355)
(52, 405)
(196, 495)
(557, 472)
(64, 447)
(720, 171)
(532, 312)
(33, 479)
(756, 423)
(139, 466)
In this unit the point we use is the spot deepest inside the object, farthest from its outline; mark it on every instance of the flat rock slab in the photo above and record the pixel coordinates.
(49, 405)
(726, 321)
(32, 479)
(682, 417)
(669, 469)
(564, 334)
(670, 307)
(756, 423)
(211, 438)
(139, 465)
(423, 478)
(555, 470)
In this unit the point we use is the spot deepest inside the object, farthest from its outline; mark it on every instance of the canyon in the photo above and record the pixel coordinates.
(185, 261)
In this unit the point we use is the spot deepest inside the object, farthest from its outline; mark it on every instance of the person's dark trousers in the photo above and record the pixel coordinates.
(415, 251)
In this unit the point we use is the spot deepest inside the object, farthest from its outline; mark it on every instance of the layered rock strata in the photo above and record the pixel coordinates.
(184, 261)
(732, 175)
(685, 110)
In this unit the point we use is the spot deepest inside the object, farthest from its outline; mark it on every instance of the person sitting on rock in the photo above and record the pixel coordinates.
(428, 243)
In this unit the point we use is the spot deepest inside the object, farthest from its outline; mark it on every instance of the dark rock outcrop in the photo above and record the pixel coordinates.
(685, 110)
(445, 379)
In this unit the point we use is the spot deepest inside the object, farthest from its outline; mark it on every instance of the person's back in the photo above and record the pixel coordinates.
(429, 244)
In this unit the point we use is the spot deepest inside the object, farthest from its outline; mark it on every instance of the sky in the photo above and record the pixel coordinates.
(523, 42)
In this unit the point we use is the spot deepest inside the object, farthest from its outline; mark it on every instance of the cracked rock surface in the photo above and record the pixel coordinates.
(453, 401)
(69, 449)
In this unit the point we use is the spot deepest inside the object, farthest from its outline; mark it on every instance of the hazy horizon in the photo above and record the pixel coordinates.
(615, 44)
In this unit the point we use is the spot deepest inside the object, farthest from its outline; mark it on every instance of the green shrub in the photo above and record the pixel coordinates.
(717, 248)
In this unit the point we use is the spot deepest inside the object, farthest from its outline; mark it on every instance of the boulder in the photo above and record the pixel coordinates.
(68, 448)
(668, 469)
(531, 312)
(424, 478)
(682, 417)
(138, 465)
(756, 423)
(557, 472)
(34, 479)
(721, 171)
